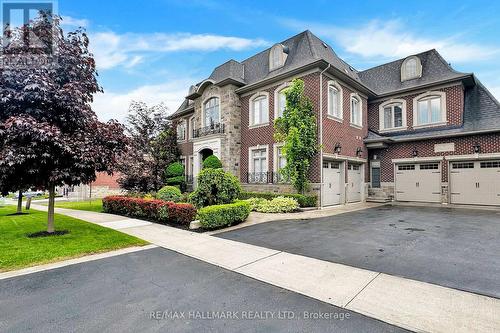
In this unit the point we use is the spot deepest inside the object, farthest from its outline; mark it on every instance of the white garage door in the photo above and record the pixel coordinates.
(418, 182)
(354, 179)
(475, 183)
(332, 183)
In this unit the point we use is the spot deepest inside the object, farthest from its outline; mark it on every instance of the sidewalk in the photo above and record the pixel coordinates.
(410, 304)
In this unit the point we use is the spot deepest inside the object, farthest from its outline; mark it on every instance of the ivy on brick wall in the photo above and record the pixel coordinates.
(296, 129)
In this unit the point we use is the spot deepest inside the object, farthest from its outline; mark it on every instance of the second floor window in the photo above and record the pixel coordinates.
(429, 110)
(334, 100)
(192, 127)
(393, 116)
(281, 103)
(259, 110)
(211, 112)
(181, 131)
(356, 118)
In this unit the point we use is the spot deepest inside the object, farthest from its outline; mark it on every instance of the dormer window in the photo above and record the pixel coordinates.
(277, 56)
(411, 68)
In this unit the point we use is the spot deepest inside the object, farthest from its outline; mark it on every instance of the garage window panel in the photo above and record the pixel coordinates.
(406, 167)
(490, 164)
(429, 166)
(463, 165)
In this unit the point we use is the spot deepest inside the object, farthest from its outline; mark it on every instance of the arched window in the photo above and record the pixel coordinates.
(356, 113)
(211, 112)
(281, 103)
(259, 109)
(277, 56)
(430, 108)
(411, 68)
(335, 100)
(393, 115)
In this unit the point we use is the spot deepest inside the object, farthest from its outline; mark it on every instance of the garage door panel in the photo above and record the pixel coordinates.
(476, 183)
(418, 182)
(354, 182)
(332, 183)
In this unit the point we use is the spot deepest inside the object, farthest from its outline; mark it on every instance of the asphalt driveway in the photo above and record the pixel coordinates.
(457, 248)
(162, 291)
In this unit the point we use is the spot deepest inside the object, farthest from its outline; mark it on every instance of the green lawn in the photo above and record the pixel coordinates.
(19, 251)
(94, 205)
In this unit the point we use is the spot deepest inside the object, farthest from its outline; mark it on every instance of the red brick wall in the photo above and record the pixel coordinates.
(103, 179)
(251, 137)
(463, 146)
(454, 108)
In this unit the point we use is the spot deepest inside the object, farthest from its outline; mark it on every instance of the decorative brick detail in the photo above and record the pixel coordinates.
(454, 108)
(463, 146)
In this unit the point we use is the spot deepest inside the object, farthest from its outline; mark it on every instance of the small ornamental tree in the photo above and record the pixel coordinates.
(49, 135)
(297, 130)
(212, 162)
(152, 146)
(174, 175)
(215, 187)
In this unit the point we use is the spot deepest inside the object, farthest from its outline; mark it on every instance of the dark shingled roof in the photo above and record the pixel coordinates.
(386, 79)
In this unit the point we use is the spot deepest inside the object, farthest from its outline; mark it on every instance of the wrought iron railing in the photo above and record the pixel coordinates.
(216, 128)
(265, 178)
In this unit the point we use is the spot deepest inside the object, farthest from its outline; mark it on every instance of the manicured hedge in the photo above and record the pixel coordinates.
(217, 216)
(277, 205)
(169, 193)
(156, 210)
(303, 200)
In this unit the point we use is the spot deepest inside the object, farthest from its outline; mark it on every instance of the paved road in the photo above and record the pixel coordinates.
(118, 294)
(457, 248)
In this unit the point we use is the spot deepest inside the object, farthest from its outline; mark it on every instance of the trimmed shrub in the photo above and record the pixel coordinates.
(174, 170)
(169, 193)
(303, 200)
(156, 210)
(217, 216)
(277, 205)
(256, 202)
(212, 162)
(215, 187)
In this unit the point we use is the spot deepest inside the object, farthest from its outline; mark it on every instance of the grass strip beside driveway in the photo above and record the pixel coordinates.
(17, 250)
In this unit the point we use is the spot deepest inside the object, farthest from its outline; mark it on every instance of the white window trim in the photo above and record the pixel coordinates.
(251, 110)
(355, 95)
(203, 109)
(341, 101)
(381, 118)
(190, 167)
(444, 112)
(403, 69)
(250, 157)
(276, 97)
(180, 123)
(189, 129)
(283, 56)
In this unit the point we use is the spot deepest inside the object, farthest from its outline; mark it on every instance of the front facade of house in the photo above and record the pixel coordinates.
(410, 130)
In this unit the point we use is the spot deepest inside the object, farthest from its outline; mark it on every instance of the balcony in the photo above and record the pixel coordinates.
(216, 128)
(265, 178)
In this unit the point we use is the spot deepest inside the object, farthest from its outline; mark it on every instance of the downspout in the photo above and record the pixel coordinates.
(321, 135)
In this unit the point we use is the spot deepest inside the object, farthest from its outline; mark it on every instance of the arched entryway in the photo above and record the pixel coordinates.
(205, 153)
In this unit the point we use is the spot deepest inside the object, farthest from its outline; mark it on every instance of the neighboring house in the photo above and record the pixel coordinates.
(410, 130)
(104, 185)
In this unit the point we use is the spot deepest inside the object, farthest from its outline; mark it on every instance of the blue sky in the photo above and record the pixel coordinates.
(153, 50)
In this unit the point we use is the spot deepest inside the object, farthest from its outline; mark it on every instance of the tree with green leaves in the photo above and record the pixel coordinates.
(297, 130)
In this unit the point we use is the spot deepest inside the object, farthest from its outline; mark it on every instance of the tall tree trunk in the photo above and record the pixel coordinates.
(20, 202)
(50, 219)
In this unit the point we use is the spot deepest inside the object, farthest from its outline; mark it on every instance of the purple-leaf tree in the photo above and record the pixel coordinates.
(49, 135)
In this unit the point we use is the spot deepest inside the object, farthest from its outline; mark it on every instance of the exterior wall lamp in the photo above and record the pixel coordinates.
(477, 148)
(359, 151)
(414, 153)
(338, 148)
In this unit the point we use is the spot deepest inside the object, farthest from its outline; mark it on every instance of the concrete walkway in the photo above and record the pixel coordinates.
(410, 304)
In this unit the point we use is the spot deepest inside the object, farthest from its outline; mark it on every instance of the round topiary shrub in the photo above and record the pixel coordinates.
(169, 193)
(212, 162)
(215, 187)
(175, 169)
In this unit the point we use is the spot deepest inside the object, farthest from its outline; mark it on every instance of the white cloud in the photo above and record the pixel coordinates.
(114, 105)
(390, 39)
(74, 22)
(112, 49)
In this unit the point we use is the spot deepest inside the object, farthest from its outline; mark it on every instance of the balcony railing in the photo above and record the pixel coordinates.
(216, 128)
(265, 178)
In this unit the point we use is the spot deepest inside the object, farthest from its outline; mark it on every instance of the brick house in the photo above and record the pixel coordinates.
(410, 130)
